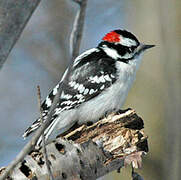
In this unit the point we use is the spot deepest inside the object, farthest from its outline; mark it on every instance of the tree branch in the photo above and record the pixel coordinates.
(14, 14)
(77, 30)
(31, 144)
(43, 137)
(89, 151)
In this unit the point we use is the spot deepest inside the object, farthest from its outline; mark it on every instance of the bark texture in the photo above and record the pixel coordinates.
(14, 14)
(89, 151)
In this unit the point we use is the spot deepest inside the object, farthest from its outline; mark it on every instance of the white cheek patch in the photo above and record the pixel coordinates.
(114, 54)
(111, 52)
(128, 42)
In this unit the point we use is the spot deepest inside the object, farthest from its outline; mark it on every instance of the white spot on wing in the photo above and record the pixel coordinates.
(107, 77)
(102, 87)
(94, 79)
(78, 96)
(72, 83)
(58, 110)
(81, 88)
(44, 113)
(102, 79)
(65, 96)
(66, 102)
(86, 91)
(81, 100)
(48, 102)
(55, 89)
(76, 86)
(91, 91)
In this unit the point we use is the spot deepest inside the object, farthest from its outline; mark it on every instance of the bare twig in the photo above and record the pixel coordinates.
(76, 34)
(14, 15)
(31, 144)
(43, 137)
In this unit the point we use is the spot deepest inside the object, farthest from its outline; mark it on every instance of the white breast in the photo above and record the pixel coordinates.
(111, 99)
(114, 97)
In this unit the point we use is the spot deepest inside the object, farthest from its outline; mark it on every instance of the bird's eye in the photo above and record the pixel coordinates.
(132, 48)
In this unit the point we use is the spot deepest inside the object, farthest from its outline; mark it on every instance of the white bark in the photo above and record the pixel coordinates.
(91, 152)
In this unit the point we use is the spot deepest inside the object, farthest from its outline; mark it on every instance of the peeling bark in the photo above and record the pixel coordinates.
(89, 151)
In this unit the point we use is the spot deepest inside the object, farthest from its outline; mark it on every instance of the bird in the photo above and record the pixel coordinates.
(96, 82)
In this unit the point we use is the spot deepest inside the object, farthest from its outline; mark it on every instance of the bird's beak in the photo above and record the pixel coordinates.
(143, 47)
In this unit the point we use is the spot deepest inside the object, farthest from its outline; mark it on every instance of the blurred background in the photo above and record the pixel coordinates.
(42, 54)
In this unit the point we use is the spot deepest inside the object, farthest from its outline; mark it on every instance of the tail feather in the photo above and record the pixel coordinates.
(32, 128)
(35, 126)
(47, 132)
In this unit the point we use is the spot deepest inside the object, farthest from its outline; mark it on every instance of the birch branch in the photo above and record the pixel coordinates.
(77, 30)
(89, 151)
(14, 15)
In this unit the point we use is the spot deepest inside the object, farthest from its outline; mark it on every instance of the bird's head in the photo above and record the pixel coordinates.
(122, 44)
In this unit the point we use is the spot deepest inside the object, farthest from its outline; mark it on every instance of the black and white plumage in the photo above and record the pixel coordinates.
(98, 81)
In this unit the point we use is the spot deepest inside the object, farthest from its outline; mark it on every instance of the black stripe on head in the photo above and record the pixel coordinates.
(120, 49)
(127, 34)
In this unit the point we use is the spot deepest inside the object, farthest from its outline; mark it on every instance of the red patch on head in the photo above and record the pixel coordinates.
(112, 37)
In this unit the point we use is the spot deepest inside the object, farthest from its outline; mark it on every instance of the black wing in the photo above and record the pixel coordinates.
(84, 81)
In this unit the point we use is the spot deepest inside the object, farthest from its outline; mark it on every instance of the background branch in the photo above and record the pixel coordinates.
(77, 30)
(14, 15)
(31, 144)
(91, 152)
(77, 33)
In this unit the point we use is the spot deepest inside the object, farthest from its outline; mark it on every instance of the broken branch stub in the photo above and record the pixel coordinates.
(90, 151)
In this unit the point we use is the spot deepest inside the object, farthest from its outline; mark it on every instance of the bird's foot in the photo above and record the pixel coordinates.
(121, 111)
